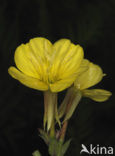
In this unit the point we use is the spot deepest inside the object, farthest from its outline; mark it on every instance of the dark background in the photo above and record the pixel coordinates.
(88, 23)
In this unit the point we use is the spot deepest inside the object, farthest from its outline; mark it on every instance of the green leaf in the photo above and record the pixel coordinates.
(65, 146)
(36, 153)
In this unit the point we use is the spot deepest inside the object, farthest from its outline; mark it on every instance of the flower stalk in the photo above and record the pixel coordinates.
(63, 131)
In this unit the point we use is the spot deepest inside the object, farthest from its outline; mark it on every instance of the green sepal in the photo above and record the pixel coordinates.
(57, 115)
(74, 104)
(62, 108)
(36, 153)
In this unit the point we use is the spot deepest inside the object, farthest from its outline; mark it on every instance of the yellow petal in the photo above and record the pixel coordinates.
(32, 58)
(89, 78)
(60, 49)
(71, 62)
(27, 80)
(41, 52)
(84, 66)
(66, 60)
(41, 49)
(23, 61)
(98, 95)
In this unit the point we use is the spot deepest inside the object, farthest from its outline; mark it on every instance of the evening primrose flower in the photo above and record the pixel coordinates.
(89, 78)
(89, 74)
(45, 66)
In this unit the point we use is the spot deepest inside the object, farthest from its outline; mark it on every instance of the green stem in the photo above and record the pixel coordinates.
(63, 131)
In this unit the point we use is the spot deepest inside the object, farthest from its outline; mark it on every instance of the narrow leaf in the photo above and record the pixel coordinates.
(65, 146)
(44, 136)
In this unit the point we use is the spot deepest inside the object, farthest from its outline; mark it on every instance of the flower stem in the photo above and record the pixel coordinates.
(63, 131)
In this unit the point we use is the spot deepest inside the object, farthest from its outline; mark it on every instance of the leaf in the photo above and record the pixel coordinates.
(44, 136)
(65, 146)
(36, 153)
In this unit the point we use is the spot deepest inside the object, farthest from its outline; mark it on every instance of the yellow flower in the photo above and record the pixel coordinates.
(89, 75)
(45, 66)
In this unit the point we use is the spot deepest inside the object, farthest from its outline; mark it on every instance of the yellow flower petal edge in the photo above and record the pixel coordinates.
(53, 65)
(90, 77)
(27, 80)
(98, 95)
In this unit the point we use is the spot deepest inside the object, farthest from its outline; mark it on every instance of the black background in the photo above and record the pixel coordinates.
(88, 23)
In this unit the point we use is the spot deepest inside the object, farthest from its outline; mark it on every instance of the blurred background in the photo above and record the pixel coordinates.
(88, 23)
